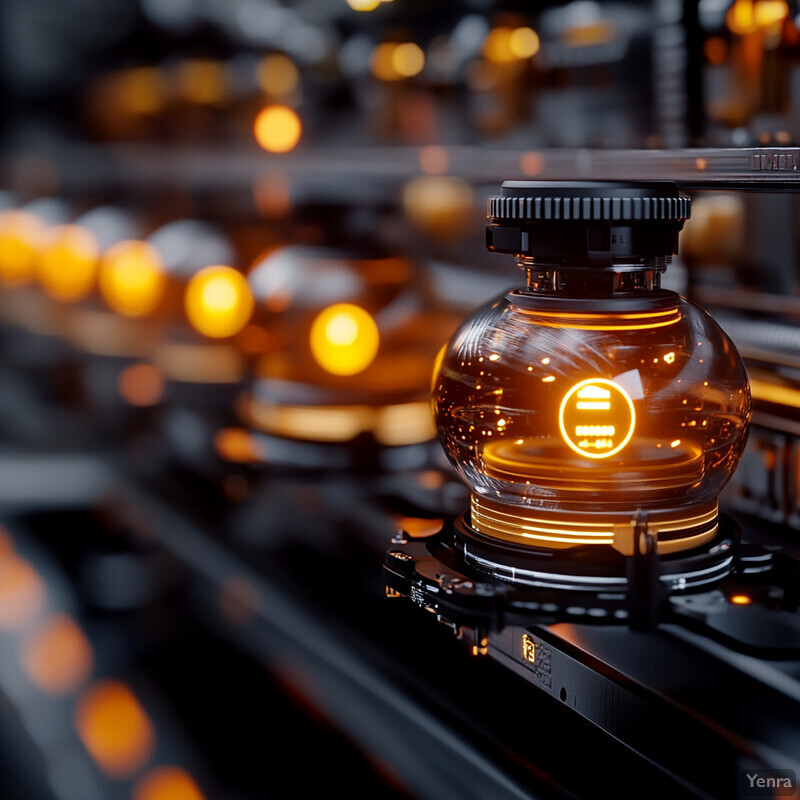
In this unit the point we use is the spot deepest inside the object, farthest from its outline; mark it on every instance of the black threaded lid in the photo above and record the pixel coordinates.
(581, 223)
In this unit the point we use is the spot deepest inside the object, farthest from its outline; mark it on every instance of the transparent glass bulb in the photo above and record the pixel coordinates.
(566, 417)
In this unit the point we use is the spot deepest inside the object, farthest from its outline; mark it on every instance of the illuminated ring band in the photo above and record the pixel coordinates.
(590, 568)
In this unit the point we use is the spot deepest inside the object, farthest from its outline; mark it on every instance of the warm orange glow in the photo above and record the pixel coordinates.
(363, 5)
(505, 45)
(434, 160)
(420, 527)
(439, 205)
(531, 163)
(741, 600)
(22, 593)
(557, 530)
(132, 279)
(344, 339)
(141, 385)
(21, 236)
(589, 35)
(770, 12)
(590, 317)
(408, 59)
(167, 783)
(201, 81)
(524, 42)
(528, 648)
(205, 362)
(497, 46)
(253, 340)
(430, 479)
(277, 129)
(775, 393)
(67, 264)
(393, 425)
(608, 322)
(277, 75)
(141, 90)
(395, 62)
(218, 302)
(481, 648)
(58, 658)
(747, 16)
(115, 729)
(597, 418)
(237, 445)
(437, 365)
(715, 49)
(404, 423)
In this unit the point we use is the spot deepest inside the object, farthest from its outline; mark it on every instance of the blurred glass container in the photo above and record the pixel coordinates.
(351, 333)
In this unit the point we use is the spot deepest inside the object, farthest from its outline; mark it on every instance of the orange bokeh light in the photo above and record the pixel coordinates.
(114, 728)
(58, 658)
(132, 279)
(218, 302)
(434, 159)
(344, 339)
(237, 445)
(277, 129)
(167, 783)
(21, 237)
(141, 385)
(67, 264)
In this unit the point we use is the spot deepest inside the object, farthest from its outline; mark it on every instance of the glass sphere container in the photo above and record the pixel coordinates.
(591, 397)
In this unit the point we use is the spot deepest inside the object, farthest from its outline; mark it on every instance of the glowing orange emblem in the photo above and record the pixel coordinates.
(528, 648)
(597, 418)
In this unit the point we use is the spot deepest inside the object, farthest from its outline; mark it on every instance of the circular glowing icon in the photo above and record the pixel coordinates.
(597, 418)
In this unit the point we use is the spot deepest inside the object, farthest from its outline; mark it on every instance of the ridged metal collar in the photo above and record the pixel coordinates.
(654, 201)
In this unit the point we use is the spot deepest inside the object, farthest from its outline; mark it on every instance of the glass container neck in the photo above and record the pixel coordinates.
(575, 280)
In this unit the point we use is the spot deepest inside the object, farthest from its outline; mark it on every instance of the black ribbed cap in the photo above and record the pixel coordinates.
(578, 223)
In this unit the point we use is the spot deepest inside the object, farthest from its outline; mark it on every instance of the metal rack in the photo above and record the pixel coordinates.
(80, 169)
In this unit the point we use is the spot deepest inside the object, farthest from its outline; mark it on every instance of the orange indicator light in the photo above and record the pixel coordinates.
(741, 600)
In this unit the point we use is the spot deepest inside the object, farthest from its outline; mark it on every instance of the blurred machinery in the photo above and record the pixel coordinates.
(235, 239)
